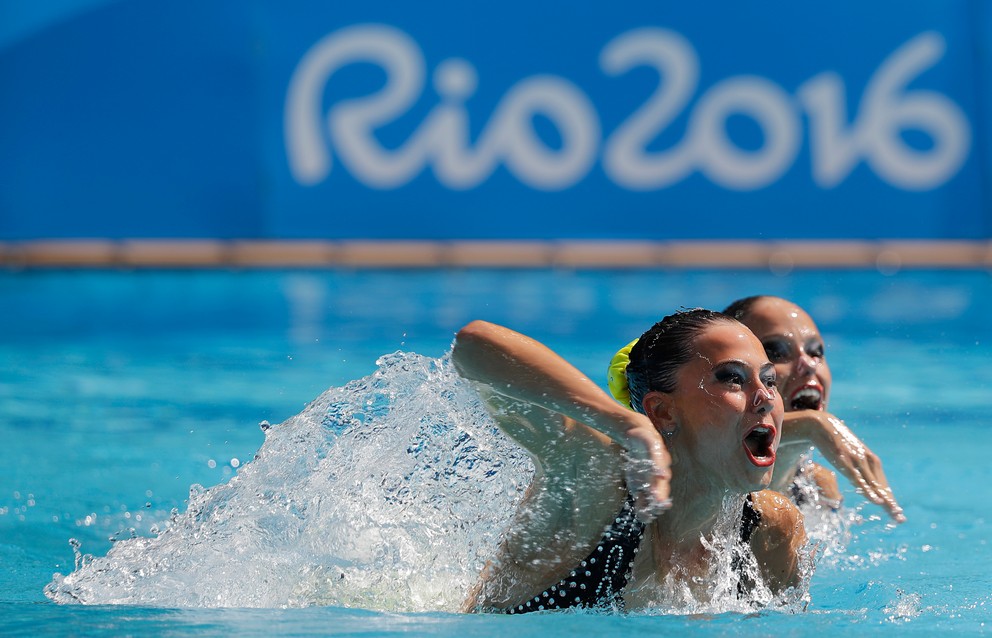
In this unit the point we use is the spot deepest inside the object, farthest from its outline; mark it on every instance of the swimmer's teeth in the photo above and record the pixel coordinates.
(807, 399)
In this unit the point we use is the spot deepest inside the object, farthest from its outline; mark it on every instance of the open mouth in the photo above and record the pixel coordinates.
(759, 445)
(807, 398)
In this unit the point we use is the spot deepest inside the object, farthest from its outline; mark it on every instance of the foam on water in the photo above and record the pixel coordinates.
(388, 493)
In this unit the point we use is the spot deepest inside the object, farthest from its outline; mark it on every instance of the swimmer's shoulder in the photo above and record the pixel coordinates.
(778, 538)
(779, 518)
(826, 483)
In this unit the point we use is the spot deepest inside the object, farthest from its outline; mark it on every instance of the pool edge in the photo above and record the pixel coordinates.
(777, 256)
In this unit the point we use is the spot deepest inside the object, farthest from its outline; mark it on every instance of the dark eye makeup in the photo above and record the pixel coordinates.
(776, 350)
(769, 378)
(730, 373)
(815, 349)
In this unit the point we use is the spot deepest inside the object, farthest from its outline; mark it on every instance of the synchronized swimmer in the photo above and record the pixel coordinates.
(628, 489)
(794, 345)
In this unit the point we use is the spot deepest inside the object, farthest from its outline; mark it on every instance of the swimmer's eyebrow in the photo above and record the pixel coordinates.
(763, 367)
(742, 362)
(766, 368)
(727, 362)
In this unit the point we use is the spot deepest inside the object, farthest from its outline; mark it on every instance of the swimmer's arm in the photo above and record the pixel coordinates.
(794, 444)
(789, 461)
(515, 370)
(826, 483)
(543, 388)
(845, 451)
(779, 541)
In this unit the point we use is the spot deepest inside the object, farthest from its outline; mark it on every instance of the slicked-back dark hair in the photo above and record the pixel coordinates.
(658, 355)
(740, 308)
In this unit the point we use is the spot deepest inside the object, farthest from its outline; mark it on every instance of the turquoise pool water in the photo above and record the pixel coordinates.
(120, 390)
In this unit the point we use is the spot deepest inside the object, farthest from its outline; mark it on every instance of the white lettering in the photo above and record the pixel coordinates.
(442, 142)
(624, 157)
(525, 154)
(442, 139)
(886, 110)
(351, 120)
(769, 106)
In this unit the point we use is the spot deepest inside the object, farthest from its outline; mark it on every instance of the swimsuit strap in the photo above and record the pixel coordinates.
(599, 580)
(750, 519)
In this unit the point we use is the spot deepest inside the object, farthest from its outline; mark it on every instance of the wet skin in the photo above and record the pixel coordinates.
(793, 343)
(723, 396)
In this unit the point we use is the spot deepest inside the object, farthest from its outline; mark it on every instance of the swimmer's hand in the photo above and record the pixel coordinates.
(852, 458)
(647, 470)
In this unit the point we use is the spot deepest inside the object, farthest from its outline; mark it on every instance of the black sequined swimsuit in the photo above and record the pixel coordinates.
(599, 580)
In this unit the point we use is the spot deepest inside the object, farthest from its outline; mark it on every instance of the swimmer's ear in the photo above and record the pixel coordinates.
(660, 408)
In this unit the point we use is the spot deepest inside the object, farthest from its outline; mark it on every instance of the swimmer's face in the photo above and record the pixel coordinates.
(793, 343)
(725, 412)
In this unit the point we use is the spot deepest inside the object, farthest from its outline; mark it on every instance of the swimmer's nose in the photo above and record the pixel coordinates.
(764, 399)
(806, 365)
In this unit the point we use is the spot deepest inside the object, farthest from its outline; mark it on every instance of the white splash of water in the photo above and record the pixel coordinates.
(388, 493)
(827, 527)
(843, 537)
(906, 607)
(733, 581)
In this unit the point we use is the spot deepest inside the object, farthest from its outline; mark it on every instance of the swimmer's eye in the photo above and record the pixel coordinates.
(770, 381)
(730, 376)
(776, 351)
(815, 350)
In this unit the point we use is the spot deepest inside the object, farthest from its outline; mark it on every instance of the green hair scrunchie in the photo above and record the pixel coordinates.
(616, 375)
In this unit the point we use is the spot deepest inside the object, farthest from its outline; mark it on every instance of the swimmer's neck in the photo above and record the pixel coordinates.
(696, 508)
(677, 540)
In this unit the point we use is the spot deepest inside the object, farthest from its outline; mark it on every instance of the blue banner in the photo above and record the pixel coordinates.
(380, 120)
